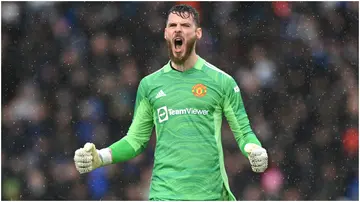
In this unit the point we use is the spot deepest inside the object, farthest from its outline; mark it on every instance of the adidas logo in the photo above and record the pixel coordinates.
(160, 94)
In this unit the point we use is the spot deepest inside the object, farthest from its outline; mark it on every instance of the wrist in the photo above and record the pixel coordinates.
(249, 147)
(105, 156)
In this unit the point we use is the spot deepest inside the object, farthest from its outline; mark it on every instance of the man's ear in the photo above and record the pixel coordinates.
(165, 33)
(198, 33)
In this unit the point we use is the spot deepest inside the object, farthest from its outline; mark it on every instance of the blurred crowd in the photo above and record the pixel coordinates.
(70, 72)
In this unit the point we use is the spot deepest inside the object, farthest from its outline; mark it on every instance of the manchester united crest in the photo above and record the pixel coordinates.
(199, 90)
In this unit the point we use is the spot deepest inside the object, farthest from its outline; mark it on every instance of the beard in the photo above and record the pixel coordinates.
(189, 47)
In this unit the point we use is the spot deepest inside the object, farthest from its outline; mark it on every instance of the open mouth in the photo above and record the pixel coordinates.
(178, 43)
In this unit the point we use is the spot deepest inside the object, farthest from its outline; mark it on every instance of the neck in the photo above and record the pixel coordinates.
(187, 64)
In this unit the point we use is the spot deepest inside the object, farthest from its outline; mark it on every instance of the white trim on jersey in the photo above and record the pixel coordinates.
(159, 69)
(217, 69)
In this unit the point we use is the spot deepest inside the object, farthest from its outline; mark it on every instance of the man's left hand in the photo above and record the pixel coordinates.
(257, 156)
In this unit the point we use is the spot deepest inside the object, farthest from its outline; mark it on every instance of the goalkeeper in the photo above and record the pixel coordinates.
(185, 100)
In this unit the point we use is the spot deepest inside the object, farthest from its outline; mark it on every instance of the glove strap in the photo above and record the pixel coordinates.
(105, 156)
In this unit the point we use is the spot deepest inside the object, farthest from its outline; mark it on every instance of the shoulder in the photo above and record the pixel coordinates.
(225, 81)
(212, 69)
(153, 76)
(149, 83)
(217, 73)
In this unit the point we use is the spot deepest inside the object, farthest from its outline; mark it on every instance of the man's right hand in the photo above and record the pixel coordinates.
(87, 158)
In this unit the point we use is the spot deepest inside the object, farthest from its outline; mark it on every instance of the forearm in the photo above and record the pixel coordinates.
(122, 151)
(236, 115)
(244, 138)
(240, 125)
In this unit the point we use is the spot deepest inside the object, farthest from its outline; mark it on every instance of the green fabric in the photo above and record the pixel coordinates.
(139, 132)
(122, 151)
(186, 109)
(236, 115)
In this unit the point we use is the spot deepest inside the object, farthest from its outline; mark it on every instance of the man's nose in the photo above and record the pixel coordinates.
(178, 28)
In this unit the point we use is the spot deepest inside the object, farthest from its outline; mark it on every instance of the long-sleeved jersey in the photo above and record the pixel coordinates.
(186, 109)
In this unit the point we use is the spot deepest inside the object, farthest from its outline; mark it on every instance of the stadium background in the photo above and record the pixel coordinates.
(70, 73)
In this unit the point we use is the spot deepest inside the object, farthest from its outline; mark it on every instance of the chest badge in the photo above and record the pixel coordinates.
(199, 90)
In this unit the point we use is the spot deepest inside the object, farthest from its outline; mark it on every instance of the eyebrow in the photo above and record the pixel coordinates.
(174, 23)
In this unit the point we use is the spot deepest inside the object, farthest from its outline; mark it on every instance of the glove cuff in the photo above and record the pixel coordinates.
(249, 147)
(105, 156)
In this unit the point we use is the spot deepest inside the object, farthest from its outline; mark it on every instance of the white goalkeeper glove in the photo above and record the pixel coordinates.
(257, 156)
(89, 158)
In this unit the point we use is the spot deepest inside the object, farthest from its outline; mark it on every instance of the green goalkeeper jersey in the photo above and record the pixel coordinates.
(186, 109)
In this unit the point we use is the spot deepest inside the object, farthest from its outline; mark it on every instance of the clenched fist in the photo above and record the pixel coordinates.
(257, 156)
(87, 158)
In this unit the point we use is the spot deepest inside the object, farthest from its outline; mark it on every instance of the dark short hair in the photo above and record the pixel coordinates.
(185, 11)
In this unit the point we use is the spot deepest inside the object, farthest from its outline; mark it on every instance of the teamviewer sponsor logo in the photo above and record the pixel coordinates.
(162, 114)
(188, 111)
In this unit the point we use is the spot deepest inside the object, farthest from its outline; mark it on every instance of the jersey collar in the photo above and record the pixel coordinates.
(198, 66)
